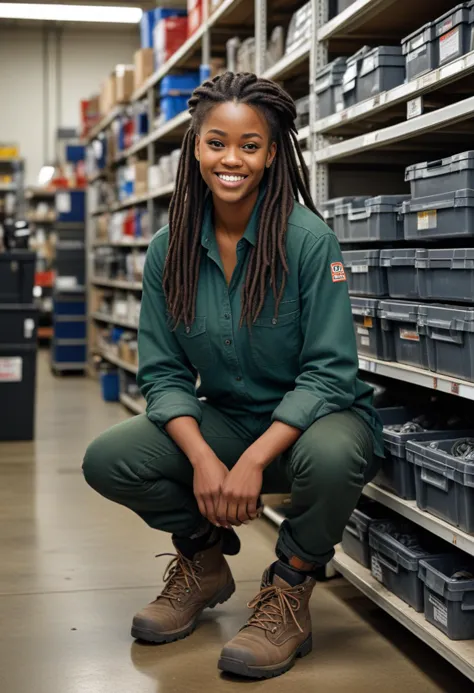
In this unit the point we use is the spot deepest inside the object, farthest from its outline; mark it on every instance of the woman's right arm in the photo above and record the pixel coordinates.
(168, 382)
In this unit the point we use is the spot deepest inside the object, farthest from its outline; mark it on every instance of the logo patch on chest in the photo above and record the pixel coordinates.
(338, 273)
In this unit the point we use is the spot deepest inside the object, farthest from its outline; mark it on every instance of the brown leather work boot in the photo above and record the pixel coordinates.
(276, 634)
(191, 585)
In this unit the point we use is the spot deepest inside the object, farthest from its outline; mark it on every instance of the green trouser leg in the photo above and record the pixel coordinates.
(137, 465)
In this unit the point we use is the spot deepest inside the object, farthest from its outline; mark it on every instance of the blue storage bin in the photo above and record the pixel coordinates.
(70, 329)
(151, 18)
(172, 106)
(75, 153)
(110, 385)
(179, 85)
(70, 307)
(70, 205)
(69, 354)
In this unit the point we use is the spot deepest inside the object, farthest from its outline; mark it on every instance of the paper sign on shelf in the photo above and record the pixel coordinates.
(11, 369)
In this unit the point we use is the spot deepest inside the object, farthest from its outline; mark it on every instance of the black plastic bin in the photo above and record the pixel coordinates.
(444, 482)
(382, 68)
(328, 87)
(367, 328)
(445, 274)
(397, 471)
(379, 219)
(17, 273)
(447, 215)
(449, 601)
(396, 563)
(449, 335)
(18, 323)
(442, 175)
(400, 328)
(402, 277)
(421, 50)
(355, 539)
(365, 276)
(453, 33)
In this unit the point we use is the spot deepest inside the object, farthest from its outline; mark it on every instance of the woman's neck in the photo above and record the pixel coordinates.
(233, 218)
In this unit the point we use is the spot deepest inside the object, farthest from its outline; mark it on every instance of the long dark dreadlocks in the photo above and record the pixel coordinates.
(267, 263)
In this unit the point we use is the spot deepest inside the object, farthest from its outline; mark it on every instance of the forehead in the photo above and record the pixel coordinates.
(236, 119)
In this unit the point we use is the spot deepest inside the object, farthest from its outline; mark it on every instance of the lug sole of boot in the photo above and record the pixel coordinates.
(157, 638)
(235, 666)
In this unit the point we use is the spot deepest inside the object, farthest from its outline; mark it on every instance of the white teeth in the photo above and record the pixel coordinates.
(230, 179)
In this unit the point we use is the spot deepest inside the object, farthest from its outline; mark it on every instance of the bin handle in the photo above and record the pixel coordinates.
(388, 564)
(362, 214)
(433, 479)
(467, 603)
(352, 530)
(431, 168)
(455, 336)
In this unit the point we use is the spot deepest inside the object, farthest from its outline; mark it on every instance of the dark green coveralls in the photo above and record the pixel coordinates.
(299, 368)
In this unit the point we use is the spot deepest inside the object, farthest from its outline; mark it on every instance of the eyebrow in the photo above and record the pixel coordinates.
(245, 136)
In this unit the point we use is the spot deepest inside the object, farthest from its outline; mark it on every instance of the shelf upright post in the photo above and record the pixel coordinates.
(260, 35)
(150, 153)
(317, 59)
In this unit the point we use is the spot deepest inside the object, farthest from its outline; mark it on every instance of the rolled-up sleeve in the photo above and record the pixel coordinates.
(165, 377)
(328, 360)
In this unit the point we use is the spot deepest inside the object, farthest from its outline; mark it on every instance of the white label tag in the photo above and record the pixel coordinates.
(363, 330)
(440, 611)
(63, 203)
(11, 369)
(365, 341)
(414, 107)
(359, 269)
(427, 220)
(376, 568)
(449, 44)
(409, 335)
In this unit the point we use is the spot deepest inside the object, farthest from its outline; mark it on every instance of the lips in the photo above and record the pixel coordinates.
(231, 180)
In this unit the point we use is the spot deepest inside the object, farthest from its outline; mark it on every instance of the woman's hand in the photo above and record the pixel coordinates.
(209, 476)
(240, 493)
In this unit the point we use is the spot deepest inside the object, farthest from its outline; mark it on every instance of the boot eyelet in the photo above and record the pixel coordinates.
(179, 599)
(187, 590)
(274, 630)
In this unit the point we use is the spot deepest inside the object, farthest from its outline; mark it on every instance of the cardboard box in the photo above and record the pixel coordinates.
(139, 172)
(124, 75)
(144, 66)
(108, 95)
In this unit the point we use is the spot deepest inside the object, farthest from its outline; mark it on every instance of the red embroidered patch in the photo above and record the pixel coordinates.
(338, 272)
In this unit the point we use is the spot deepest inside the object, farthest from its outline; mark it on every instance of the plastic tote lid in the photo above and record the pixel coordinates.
(439, 164)
(447, 317)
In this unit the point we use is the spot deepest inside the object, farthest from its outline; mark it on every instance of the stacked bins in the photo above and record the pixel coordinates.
(68, 346)
(355, 539)
(18, 345)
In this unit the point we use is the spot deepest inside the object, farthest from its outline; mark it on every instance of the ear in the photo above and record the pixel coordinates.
(197, 142)
(271, 154)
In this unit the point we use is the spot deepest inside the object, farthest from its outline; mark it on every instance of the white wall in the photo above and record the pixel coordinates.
(44, 73)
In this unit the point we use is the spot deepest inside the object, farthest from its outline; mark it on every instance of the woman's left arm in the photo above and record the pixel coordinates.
(326, 383)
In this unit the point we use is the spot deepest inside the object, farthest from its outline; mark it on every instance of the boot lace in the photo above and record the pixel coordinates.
(275, 605)
(180, 575)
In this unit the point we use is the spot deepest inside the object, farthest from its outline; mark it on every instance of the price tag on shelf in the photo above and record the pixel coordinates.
(414, 108)
(455, 388)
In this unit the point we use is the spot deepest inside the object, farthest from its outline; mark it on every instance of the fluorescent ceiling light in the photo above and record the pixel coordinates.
(70, 13)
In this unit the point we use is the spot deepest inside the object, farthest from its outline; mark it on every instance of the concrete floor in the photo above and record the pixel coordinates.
(74, 569)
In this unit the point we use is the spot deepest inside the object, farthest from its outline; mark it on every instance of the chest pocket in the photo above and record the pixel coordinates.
(277, 342)
(195, 342)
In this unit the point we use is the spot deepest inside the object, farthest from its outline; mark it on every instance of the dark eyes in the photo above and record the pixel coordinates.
(249, 147)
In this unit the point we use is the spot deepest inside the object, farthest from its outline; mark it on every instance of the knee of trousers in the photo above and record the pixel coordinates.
(327, 465)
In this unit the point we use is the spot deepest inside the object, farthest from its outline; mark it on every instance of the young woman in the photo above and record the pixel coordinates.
(245, 288)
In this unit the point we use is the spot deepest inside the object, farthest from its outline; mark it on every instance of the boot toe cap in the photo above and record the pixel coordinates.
(238, 654)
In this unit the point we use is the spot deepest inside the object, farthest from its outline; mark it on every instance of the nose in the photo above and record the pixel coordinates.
(231, 157)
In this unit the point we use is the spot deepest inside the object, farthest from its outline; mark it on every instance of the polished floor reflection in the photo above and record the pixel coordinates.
(74, 569)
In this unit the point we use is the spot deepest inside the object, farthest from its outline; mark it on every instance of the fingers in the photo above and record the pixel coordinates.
(222, 512)
(252, 509)
(232, 508)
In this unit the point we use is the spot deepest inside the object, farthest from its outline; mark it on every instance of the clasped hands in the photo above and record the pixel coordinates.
(228, 498)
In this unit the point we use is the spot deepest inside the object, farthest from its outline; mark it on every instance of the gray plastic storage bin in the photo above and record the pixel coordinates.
(449, 215)
(367, 328)
(446, 274)
(365, 276)
(383, 68)
(402, 277)
(444, 482)
(400, 328)
(449, 336)
(379, 219)
(350, 81)
(453, 33)
(341, 206)
(395, 563)
(355, 539)
(441, 176)
(421, 51)
(302, 112)
(449, 600)
(397, 473)
(328, 87)
(328, 210)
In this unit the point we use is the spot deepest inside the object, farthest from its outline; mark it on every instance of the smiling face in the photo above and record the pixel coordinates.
(234, 148)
